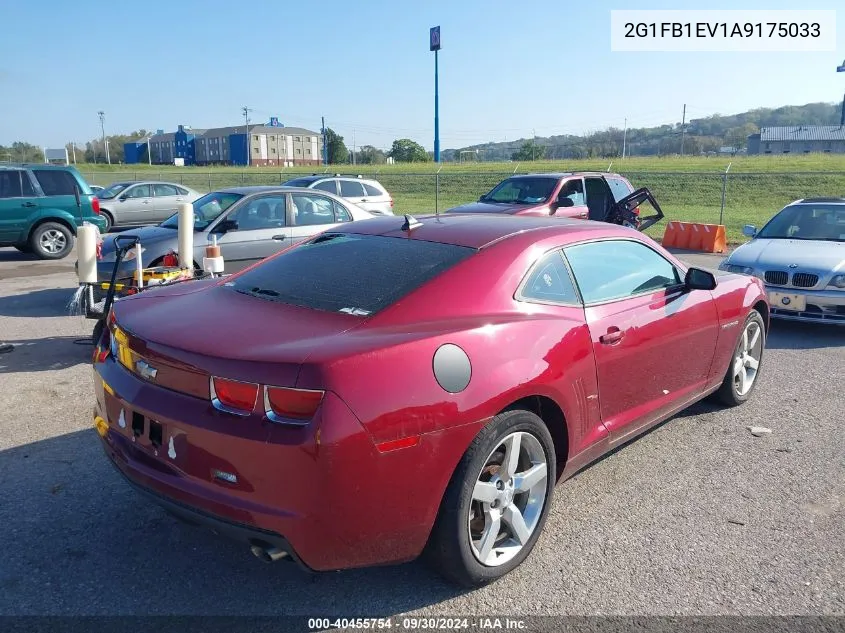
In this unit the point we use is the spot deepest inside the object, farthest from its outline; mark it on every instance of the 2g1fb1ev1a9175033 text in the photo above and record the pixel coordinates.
(722, 29)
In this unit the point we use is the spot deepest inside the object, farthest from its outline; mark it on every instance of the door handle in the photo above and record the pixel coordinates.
(582, 215)
(29, 204)
(614, 335)
(363, 200)
(279, 238)
(145, 201)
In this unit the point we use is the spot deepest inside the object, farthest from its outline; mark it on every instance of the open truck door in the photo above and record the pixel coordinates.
(626, 212)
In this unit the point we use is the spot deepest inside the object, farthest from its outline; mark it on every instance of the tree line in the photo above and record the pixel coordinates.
(698, 136)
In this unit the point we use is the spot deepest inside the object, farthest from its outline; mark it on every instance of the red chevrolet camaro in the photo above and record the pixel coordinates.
(397, 386)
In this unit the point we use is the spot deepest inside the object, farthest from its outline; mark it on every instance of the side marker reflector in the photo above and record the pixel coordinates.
(392, 445)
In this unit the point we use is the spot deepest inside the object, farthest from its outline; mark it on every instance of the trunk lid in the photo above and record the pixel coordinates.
(218, 331)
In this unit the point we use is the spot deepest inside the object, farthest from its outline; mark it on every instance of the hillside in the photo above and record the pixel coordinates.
(703, 135)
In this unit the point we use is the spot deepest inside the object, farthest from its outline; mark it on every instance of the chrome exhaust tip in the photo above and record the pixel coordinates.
(268, 554)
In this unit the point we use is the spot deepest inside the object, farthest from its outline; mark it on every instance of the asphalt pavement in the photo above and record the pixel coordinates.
(696, 517)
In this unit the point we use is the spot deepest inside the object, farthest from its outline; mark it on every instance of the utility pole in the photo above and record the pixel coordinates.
(73, 149)
(353, 146)
(624, 138)
(683, 128)
(246, 110)
(325, 143)
(102, 116)
(533, 142)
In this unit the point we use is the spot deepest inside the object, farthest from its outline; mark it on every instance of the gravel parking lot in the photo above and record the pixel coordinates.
(696, 517)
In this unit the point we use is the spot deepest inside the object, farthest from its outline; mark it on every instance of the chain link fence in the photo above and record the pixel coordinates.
(732, 199)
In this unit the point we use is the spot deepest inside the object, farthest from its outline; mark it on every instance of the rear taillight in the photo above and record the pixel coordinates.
(233, 396)
(391, 204)
(285, 405)
(95, 204)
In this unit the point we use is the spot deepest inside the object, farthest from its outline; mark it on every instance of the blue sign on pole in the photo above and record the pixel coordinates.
(434, 38)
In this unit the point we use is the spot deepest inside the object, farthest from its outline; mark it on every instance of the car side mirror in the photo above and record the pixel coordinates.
(560, 202)
(698, 279)
(749, 230)
(122, 198)
(226, 225)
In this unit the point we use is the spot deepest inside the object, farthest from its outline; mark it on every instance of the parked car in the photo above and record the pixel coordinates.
(250, 223)
(140, 203)
(396, 384)
(582, 195)
(800, 254)
(41, 206)
(366, 193)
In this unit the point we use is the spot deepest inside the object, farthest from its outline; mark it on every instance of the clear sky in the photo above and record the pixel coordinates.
(507, 69)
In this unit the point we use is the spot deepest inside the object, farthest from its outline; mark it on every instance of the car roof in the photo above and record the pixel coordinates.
(830, 200)
(476, 230)
(248, 190)
(565, 174)
(35, 166)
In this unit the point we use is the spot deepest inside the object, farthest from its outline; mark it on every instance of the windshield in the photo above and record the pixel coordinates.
(353, 274)
(522, 190)
(206, 210)
(112, 190)
(807, 222)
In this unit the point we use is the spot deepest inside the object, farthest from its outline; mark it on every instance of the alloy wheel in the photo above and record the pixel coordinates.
(53, 241)
(508, 499)
(747, 358)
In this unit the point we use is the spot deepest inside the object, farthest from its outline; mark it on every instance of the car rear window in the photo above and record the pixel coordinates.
(299, 182)
(355, 274)
(55, 182)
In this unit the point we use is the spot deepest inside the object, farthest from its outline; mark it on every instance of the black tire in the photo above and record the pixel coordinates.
(109, 220)
(99, 326)
(24, 248)
(51, 240)
(729, 393)
(449, 549)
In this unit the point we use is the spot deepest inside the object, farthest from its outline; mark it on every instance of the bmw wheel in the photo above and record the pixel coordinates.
(497, 501)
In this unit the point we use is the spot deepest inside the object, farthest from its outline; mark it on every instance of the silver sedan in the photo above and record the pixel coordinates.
(138, 203)
(250, 223)
(800, 254)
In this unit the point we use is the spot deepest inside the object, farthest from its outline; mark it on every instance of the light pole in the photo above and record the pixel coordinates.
(841, 69)
(434, 45)
(246, 112)
(102, 116)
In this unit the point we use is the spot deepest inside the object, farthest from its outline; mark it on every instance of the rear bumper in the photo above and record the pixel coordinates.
(248, 534)
(323, 492)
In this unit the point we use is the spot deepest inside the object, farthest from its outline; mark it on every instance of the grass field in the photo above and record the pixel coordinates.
(688, 188)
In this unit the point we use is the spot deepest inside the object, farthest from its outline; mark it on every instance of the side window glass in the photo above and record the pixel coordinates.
(618, 269)
(327, 185)
(165, 190)
(27, 189)
(10, 183)
(549, 280)
(262, 213)
(372, 191)
(341, 214)
(619, 188)
(351, 189)
(55, 182)
(574, 190)
(311, 210)
(141, 191)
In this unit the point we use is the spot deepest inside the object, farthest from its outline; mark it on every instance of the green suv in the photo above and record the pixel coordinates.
(41, 207)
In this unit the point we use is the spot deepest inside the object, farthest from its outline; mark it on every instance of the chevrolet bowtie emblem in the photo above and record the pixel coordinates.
(146, 371)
